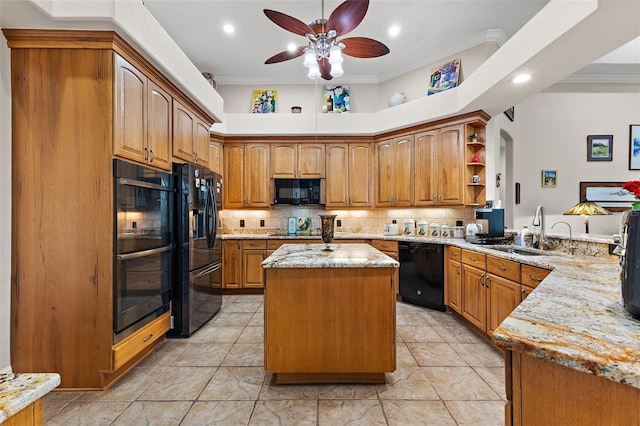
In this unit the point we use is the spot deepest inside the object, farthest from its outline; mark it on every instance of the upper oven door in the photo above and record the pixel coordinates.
(144, 208)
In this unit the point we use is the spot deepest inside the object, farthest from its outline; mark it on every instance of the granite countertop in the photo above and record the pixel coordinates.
(573, 318)
(18, 391)
(315, 256)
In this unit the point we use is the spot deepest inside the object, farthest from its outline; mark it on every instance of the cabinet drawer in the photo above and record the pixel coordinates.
(254, 244)
(137, 342)
(503, 268)
(454, 253)
(474, 259)
(384, 245)
(532, 276)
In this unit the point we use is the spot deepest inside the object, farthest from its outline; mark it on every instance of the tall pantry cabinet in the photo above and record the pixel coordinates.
(68, 123)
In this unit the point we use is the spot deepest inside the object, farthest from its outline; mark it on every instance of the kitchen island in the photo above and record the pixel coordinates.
(329, 316)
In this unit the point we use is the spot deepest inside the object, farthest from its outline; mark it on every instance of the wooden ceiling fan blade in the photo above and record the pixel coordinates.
(363, 47)
(346, 17)
(289, 23)
(325, 69)
(286, 55)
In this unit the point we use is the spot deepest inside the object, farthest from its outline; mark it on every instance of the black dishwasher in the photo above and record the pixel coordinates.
(422, 274)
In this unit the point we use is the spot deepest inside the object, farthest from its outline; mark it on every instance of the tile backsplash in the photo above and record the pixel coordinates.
(369, 221)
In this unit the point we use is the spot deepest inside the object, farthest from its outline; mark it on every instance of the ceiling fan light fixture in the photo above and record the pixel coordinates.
(336, 70)
(310, 57)
(335, 55)
(314, 72)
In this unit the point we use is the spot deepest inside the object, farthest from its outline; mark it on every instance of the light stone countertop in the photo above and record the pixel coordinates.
(316, 256)
(573, 318)
(18, 391)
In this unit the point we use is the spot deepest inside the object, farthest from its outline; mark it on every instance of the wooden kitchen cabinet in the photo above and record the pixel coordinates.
(190, 136)
(102, 98)
(302, 161)
(349, 175)
(142, 120)
(390, 248)
(216, 156)
(453, 279)
(253, 253)
(503, 297)
(474, 296)
(231, 264)
(439, 177)
(246, 172)
(394, 171)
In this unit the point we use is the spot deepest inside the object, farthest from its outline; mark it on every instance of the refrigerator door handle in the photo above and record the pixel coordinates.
(208, 270)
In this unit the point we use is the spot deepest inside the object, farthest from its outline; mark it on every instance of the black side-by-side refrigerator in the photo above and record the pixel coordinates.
(197, 294)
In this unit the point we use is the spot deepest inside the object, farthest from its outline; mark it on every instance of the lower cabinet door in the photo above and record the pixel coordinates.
(504, 296)
(253, 274)
(474, 303)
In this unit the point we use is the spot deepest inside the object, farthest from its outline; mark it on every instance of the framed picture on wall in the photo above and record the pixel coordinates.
(610, 195)
(510, 113)
(634, 147)
(549, 178)
(599, 147)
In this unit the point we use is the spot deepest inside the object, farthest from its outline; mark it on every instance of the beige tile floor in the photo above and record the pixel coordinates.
(446, 375)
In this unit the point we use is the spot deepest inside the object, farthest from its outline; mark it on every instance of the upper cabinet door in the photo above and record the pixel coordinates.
(159, 127)
(201, 143)
(284, 159)
(233, 186)
(450, 167)
(337, 184)
(384, 173)
(403, 160)
(183, 128)
(425, 179)
(256, 169)
(360, 175)
(130, 132)
(311, 161)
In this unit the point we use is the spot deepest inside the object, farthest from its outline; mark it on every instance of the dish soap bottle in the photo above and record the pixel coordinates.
(526, 237)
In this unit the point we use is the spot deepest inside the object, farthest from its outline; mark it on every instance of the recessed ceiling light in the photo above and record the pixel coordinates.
(228, 28)
(394, 30)
(521, 78)
(291, 47)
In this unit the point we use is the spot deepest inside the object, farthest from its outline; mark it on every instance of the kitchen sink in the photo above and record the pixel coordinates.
(519, 250)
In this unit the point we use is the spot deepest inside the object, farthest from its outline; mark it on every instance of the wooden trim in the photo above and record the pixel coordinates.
(89, 39)
(301, 378)
(288, 139)
(131, 346)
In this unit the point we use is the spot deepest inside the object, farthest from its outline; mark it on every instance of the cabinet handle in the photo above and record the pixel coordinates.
(482, 280)
(535, 278)
(146, 153)
(146, 339)
(487, 280)
(473, 259)
(502, 268)
(153, 156)
(195, 156)
(522, 291)
(458, 269)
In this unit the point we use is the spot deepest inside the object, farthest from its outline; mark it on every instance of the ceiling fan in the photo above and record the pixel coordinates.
(323, 54)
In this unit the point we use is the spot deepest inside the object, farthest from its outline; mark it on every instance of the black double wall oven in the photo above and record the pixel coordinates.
(144, 246)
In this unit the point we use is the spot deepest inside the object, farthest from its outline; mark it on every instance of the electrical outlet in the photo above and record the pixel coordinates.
(394, 221)
(241, 223)
(261, 222)
(339, 222)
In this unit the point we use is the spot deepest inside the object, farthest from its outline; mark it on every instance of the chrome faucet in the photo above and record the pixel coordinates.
(538, 220)
(571, 247)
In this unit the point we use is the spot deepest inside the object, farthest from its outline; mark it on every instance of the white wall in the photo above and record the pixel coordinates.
(5, 206)
(551, 132)
(366, 98)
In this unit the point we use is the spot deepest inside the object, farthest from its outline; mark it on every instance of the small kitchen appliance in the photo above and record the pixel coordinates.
(391, 229)
(491, 223)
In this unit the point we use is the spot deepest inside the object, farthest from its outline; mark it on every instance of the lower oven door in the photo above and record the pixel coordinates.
(142, 288)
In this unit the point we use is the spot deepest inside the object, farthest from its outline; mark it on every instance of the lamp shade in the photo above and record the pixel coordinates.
(586, 208)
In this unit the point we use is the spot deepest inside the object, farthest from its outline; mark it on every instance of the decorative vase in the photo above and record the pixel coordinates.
(326, 221)
(397, 99)
(635, 206)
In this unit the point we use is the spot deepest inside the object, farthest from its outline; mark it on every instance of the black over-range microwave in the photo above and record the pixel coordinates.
(297, 191)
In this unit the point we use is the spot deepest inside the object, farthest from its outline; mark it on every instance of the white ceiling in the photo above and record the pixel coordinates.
(430, 31)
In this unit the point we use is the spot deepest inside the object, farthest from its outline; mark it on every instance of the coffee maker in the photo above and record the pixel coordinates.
(630, 261)
(492, 225)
